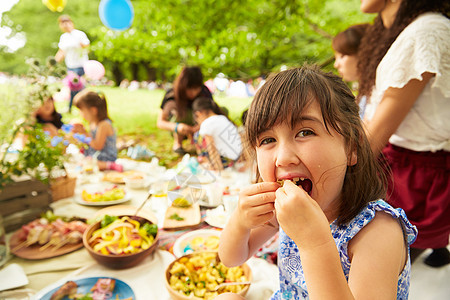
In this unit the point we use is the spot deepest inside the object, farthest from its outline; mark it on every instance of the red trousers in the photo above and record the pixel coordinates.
(421, 187)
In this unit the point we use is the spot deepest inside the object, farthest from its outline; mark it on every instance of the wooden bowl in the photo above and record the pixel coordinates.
(121, 261)
(180, 296)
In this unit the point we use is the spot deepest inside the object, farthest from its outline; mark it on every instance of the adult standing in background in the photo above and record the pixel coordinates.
(176, 108)
(345, 45)
(404, 65)
(72, 48)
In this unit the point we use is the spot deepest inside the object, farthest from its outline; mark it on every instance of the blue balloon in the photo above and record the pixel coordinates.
(116, 14)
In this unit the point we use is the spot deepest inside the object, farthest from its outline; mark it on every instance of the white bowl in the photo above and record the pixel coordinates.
(197, 240)
(135, 181)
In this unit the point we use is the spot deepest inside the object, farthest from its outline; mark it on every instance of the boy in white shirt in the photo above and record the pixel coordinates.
(218, 138)
(72, 48)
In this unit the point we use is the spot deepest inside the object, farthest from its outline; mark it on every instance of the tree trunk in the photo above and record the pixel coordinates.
(117, 73)
(151, 72)
(135, 71)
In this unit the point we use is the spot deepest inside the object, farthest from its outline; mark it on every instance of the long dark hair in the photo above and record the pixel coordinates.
(283, 98)
(208, 104)
(347, 42)
(378, 39)
(189, 77)
(89, 99)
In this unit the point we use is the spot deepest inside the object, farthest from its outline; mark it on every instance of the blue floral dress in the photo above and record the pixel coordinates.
(292, 281)
(109, 151)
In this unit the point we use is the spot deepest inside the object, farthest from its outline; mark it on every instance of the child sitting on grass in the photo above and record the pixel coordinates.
(218, 138)
(47, 115)
(94, 110)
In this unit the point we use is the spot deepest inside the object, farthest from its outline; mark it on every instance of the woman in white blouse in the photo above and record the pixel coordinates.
(404, 66)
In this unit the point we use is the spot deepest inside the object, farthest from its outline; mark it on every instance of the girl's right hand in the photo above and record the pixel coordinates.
(256, 204)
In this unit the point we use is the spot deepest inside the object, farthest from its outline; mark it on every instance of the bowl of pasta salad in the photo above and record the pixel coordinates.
(198, 276)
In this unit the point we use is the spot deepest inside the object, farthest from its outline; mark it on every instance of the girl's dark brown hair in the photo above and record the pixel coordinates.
(283, 98)
(189, 77)
(378, 39)
(89, 99)
(208, 104)
(347, 42)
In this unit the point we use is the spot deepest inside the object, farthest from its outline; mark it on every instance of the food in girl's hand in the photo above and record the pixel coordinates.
(110, 194)
(200, 273)
(304, 183)
(51, 230)
(123, 235)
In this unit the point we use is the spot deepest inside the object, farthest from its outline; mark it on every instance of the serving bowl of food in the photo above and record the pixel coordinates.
(202, 275)
(120, 242)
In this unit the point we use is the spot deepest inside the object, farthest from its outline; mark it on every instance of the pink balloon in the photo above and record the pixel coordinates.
(94, 69)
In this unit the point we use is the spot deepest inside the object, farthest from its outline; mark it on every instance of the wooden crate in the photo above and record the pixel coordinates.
(62, 187)
(22, 202)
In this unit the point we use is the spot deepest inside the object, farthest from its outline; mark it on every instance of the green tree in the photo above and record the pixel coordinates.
(41, 29)
(242, 39)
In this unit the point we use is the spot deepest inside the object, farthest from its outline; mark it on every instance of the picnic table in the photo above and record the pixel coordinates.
(147, 278)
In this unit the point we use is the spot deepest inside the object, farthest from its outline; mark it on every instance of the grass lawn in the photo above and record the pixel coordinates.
(134, 116)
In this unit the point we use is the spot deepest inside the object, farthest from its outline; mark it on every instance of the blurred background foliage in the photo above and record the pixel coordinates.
(242, 39)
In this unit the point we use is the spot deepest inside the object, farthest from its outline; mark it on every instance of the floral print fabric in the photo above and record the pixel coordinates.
(292, 281)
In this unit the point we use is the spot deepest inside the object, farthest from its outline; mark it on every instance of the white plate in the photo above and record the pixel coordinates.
(79, 199)
(84, 286)
(217, 217)
(180, 245)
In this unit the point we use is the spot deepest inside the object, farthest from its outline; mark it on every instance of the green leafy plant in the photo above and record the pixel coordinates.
(39, 156)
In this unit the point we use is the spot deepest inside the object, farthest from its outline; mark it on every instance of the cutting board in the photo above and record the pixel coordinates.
(191, 217)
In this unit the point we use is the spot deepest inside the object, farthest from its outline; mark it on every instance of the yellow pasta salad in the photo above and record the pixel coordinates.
(201, 272)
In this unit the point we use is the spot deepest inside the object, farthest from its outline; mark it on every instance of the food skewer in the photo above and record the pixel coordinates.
(72, 238)
(55, 239)
(44, 236)
(33, 237)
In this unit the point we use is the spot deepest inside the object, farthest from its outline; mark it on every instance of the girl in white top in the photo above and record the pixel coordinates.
(218, 138)
(404, 64)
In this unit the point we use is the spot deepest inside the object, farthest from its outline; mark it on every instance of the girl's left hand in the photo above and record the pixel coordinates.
(301, 217)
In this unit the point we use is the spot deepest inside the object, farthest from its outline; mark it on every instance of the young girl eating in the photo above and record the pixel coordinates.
(94, 110)
(321, 189)
(218, 139)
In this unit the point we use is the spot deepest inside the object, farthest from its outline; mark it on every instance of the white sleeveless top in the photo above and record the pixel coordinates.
(423, 46)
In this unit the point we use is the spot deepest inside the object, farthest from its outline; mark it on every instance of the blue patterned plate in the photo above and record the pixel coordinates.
(121, 289)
